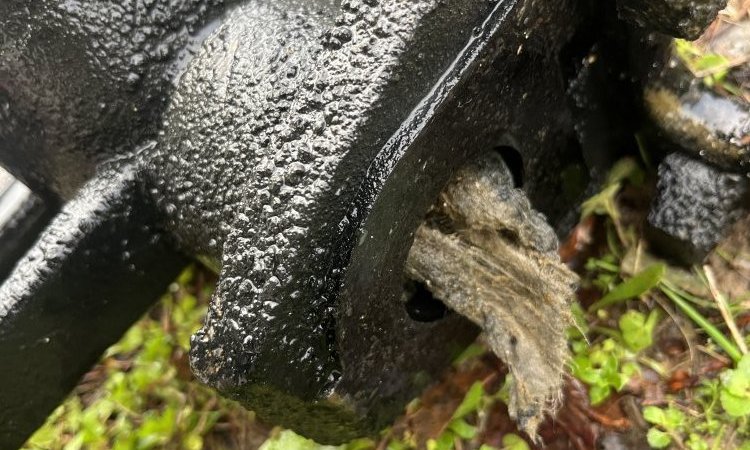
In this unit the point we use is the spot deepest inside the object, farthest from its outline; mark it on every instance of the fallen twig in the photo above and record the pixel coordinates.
(721, 302)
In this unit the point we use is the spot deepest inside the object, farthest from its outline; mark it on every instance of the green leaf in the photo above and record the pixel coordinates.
(75, 444)
(463, 429)
(444, 442)
(45, 437)
(637, 330)
(157, 428)
(503, 394)
(130, 342)
(711, 62)
(695, 442)
(602, 203)
(686, 49)
(735, 405)
(626, 169)
(744, 365)
(288, 440)
(657, 438)
(630, 369)
(360, 444)
(583, 370)
(654, 415)
(578, 346)
(639, 284)
(735, 389)
(674, 418)
(192, 442)
(599, 393)
(470, 402)
(514, 442)
(472, 351)
(397, 445)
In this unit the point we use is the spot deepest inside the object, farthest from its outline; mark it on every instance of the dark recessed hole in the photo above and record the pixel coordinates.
(514, 161)
(422, 306)
(510, 236)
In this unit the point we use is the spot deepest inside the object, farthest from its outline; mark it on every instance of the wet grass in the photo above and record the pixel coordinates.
(142, 394)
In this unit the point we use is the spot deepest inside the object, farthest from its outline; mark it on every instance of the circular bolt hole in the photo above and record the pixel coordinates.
(422, 306)
(514, 161)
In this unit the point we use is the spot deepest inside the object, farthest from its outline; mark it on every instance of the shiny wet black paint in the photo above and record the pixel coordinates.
(295, 144)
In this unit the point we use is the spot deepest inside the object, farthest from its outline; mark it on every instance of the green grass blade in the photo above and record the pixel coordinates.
(702, 322)
(635, 286)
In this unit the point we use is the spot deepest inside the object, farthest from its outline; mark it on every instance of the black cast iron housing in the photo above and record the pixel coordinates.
(293, 145)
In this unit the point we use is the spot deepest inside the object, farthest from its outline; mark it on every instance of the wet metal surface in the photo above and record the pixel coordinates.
(83, 81)
(78, 289)
(694, 206)
(679, 18)
(295, 145)
(704, 123)
(704, 131)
